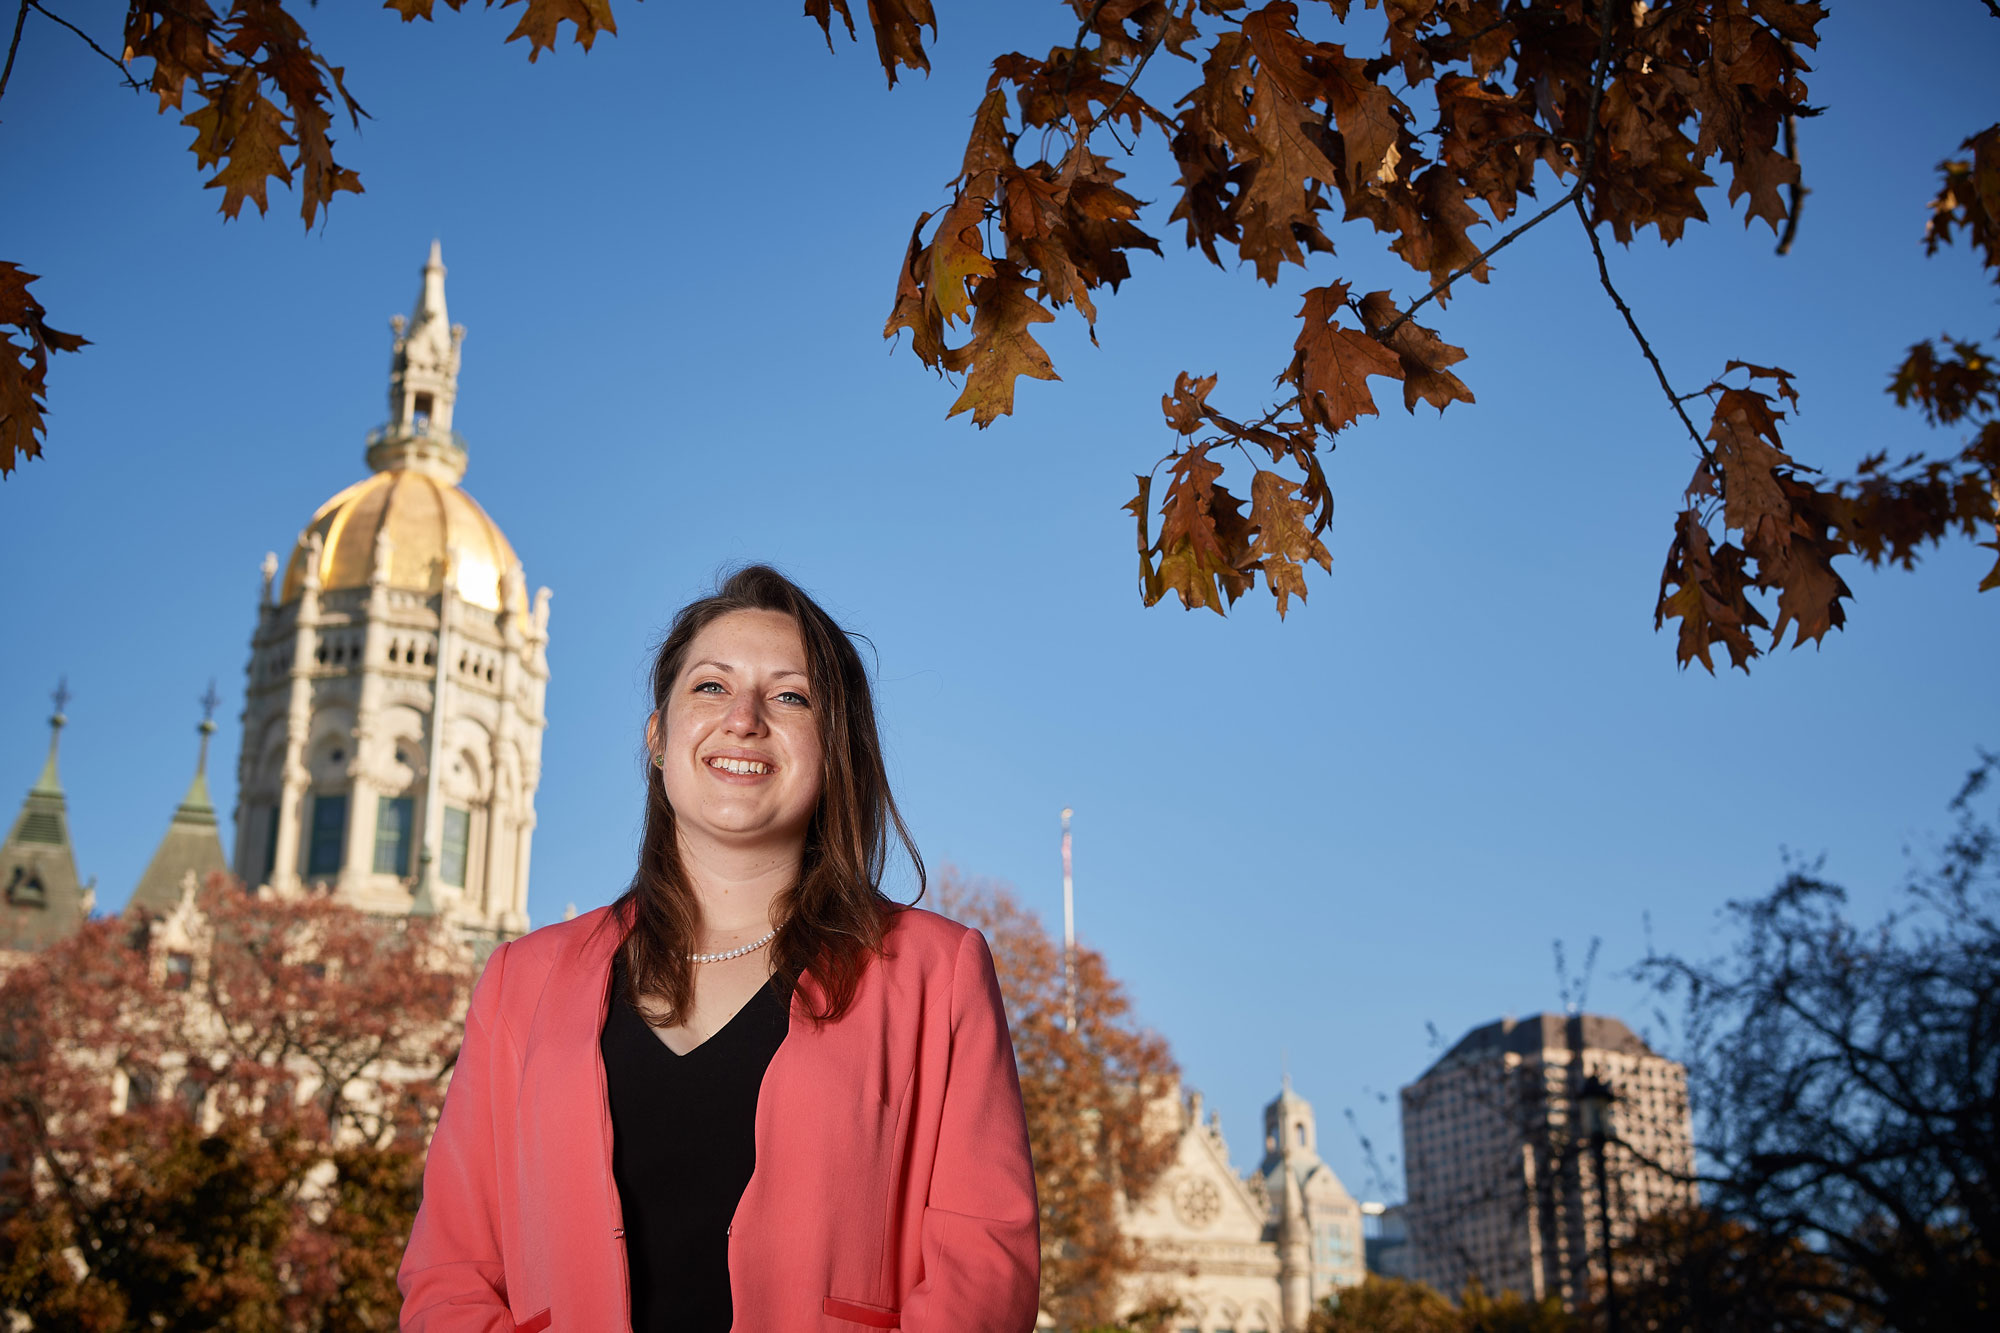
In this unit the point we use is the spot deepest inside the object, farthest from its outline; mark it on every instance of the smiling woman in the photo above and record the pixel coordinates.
(753, 1092)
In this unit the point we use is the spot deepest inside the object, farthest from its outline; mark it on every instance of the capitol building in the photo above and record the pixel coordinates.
(393, 712)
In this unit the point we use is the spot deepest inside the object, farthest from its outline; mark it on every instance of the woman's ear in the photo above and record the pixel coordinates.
(654, 740)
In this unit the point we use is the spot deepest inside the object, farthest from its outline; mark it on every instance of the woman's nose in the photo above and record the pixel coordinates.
(745, 714)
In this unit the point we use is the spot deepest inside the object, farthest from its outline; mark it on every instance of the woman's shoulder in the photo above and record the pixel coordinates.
(928, 939)
(586, 941)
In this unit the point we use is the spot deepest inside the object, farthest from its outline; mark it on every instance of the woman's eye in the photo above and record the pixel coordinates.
(707, 686)
(794, 697)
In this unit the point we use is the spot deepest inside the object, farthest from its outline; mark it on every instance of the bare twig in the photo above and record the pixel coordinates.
(1604, 277)
(123, 73)
(1798, 186)
(20, 22)
(1477, 260)
(1137, 70)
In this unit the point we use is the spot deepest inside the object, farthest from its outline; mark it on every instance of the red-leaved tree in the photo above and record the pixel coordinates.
(217, 1121)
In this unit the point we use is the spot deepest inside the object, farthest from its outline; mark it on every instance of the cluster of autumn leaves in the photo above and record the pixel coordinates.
(1279, 135)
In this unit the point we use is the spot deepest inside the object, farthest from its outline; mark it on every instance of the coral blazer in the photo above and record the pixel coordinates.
(893, 1187)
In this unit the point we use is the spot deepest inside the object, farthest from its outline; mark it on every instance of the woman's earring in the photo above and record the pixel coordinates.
(659, 761)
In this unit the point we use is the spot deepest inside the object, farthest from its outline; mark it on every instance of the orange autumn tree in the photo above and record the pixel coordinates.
(1446, 129)
(1092, 1093)
(229, 1137)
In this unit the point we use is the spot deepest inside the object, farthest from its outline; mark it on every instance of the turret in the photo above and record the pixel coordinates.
(192, 847)
(40, 899)
(423, 386)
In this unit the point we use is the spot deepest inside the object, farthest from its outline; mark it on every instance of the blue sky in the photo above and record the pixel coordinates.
(1309, 841)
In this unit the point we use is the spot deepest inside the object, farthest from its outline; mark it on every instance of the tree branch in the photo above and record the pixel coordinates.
(1137, 70)
(1797, 190)
(1604, 277)
(20, 22)
(123, 73)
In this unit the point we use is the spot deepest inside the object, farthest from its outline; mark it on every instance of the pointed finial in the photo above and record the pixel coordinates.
(207, 728)
(430, 305)
(49, 784)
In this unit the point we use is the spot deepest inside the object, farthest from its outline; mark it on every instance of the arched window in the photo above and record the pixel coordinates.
(26, 889)
(329, 833)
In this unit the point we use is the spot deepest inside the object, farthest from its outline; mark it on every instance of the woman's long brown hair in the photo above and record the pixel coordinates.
(836, 914)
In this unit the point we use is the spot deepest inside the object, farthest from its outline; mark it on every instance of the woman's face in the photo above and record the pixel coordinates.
(738, 735)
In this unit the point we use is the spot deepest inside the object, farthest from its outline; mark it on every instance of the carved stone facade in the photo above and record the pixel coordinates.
(1243, 1254)
(392, 726)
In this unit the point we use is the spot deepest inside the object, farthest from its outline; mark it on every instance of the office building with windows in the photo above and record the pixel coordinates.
(1503, 1168)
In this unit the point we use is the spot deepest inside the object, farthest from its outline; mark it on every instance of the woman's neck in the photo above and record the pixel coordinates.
(737, 886)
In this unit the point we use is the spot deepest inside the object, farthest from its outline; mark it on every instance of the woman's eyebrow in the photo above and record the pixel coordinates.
(724, 666)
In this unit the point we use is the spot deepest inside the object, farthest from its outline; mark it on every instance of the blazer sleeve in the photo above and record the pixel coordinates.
(981, 1235)
(453, 1276)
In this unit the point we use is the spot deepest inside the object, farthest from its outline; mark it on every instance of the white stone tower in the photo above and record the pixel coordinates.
(1316, 1222)
(392, 729)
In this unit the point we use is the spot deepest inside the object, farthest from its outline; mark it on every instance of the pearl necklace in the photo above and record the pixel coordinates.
(734, 953)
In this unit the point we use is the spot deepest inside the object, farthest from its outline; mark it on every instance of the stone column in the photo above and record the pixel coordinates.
(298, 724)
(431, 811)
(358, 869)
(251, 721)
(517, 920)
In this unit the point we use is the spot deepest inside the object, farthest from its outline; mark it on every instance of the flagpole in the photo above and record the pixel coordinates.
(1069, 929)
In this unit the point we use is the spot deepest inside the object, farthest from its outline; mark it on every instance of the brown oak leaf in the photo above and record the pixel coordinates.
(957, 258)
(24, 370)
(1284, 541)
(1422, 353)
(1001, 349)
(1187, 406)
(912, 310)
(541, 18)
(1707, 590)
(1331, 365)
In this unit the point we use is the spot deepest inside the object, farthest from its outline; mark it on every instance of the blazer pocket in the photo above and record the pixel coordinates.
(535, 1324)
(857, 1312)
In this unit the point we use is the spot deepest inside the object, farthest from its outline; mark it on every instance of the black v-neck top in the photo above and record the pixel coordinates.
(683, 1145)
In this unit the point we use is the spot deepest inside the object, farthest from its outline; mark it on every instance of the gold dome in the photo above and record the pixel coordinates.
(424, 517)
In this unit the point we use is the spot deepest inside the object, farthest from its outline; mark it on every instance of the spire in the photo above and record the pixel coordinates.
(192, 846)
(40, 898)
(196, 799)
(49, 784)
(423, 386)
